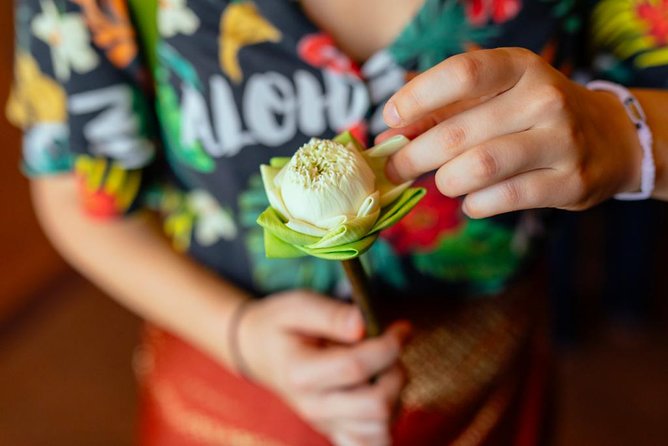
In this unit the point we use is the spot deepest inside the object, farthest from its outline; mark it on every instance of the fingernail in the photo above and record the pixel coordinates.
(391, 115)
(480, 202)
(465, 208)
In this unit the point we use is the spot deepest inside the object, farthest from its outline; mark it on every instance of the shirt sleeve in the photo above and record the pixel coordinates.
(631, 42)
(80, 97)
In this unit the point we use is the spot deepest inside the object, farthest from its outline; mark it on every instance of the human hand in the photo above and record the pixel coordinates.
(510, 132)
(310, 350)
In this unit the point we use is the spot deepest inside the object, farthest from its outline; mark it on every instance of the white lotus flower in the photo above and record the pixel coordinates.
(174, 17)
(69, 40)
(326, 185)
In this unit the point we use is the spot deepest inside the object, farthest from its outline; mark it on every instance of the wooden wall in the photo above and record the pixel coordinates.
(27, 262)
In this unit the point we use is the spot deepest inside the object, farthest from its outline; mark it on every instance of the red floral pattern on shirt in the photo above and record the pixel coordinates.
(423, 228)
(360, 131)
(97, 203)
(655, 15)
(480, 12)
(321, 51)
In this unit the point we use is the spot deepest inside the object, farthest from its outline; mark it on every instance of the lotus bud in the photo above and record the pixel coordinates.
(331, 199)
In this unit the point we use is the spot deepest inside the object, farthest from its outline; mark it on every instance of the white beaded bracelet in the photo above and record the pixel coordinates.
(637, 116)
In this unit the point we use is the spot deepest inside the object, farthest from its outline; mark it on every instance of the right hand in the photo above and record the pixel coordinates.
(309, 349)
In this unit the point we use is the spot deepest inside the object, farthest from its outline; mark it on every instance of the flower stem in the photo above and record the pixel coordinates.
(362, 295)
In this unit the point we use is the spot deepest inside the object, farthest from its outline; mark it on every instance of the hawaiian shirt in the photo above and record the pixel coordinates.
(233, 83)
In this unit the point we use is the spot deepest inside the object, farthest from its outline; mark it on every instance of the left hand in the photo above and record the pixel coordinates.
(510, 132)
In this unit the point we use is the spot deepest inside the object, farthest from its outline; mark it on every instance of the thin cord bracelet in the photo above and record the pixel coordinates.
(233, 338)
(637, 115)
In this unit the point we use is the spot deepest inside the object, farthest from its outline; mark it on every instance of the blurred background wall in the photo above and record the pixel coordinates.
(28, 263)
(65, 348)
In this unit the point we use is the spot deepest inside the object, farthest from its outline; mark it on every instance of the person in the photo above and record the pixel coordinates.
(244, 350)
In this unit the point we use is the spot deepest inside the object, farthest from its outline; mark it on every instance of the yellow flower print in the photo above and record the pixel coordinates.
(178, 227)
(106, 188)
(35, 98)
(196, 214)
(38, 105)
(241, 25)
(68, 38)
(634, 28)
(174, 17)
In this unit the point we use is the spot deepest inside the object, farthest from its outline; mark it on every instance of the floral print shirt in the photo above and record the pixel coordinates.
(236, 82)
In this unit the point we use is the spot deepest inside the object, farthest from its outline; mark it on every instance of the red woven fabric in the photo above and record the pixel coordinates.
(190, 400)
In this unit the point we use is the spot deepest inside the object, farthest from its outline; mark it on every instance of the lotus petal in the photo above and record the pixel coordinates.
(388, 147)
(354, 229)
(306, 228)
(273, 193)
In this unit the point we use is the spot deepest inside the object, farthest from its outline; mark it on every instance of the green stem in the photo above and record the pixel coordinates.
(362, 295)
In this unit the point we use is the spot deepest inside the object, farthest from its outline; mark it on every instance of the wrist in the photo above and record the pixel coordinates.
(237, 358)
(623, 144)
(212, 331)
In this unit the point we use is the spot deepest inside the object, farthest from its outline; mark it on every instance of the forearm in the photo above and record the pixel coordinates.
(132, 262)
(655, 104)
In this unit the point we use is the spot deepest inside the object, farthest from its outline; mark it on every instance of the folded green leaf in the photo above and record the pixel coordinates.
(346, 138)
(397, 210)
(271, 221)
(347, 232)
(345, 242)
(343, 252)
(275, 248)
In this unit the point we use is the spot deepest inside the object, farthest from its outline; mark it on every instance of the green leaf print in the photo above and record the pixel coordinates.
(481, 253)
(272, 275)
(141, 110)
(382, 259)
(440, 30)
(181, 68)
(253, 202)
(169, 111)
(566, 10)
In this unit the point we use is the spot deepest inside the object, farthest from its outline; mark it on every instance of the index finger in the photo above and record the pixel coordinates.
(464, 76)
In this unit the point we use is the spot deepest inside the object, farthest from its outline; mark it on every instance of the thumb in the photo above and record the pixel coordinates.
(316, 315)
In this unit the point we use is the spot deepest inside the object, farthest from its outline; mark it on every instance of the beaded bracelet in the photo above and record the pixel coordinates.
(637, 115)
